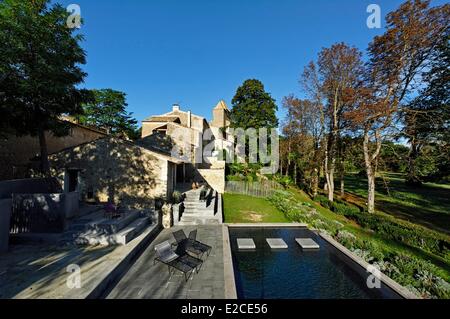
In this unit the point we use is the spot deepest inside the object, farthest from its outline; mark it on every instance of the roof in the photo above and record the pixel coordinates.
(167, 118)
(221, 106)
(155, 153)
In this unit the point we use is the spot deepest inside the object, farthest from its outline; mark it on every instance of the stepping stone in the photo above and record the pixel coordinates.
(246, 243)
(276, 243)
(307, 243)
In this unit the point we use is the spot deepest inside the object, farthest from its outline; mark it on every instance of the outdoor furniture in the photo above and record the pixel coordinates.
(184, 263)
(190, 245)
(193, 239)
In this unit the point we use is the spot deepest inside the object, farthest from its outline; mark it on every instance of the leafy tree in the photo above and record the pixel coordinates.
(40, 61)
(107, 111)
(396, 60)
(340, 70)
(304, 132)
(253, 107)
(427, 120)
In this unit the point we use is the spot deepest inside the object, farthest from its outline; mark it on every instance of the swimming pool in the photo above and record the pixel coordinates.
(293, 273)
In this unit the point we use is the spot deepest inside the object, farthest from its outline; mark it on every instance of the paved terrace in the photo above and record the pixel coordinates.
(144, 280)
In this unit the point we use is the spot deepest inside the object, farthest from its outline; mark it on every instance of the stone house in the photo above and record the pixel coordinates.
(180, 133)
(113, 169)
(137, 173)
(16, 153)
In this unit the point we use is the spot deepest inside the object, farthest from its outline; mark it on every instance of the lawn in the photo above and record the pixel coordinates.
(428, 205)
(389, 245)
(248, 209)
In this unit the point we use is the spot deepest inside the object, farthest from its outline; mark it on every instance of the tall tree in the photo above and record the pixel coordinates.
(40, 68)
(307, 119)
(427, 117)
(393, 73)
(331, 84)
(107, 111)
(341, 70)
(253, 107)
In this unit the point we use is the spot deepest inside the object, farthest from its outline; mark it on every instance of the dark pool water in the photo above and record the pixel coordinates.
(293, 273)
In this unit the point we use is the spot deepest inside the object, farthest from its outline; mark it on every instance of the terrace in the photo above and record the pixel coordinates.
(147, 281)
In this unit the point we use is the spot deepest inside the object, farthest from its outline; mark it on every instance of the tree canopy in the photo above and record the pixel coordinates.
(253, 107)
(107, 111)
(40, 60)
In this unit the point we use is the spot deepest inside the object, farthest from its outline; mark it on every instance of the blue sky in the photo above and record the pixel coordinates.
(196, 52)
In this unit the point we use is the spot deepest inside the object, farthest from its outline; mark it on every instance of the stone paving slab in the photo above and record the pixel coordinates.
(246, 243)
(147, 281)
(277, 243)
(307, 243)
(40, 271)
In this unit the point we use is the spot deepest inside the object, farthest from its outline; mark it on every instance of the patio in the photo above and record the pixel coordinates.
(147, 281)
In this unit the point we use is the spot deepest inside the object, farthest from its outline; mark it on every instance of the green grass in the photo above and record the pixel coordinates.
(248, 209)
(428, 205)
(388, 245)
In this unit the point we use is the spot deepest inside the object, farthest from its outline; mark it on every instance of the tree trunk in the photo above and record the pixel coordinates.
(412, 178)
(289, 159)
(342, 184)
(315, 182)
(281, 166)
(331, 182)
(329, 175)
(45, 166)
(371, 192)
(371, 161)
(295, 173)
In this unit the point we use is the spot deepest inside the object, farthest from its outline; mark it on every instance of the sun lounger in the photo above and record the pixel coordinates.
(190, 245)
(184, 263)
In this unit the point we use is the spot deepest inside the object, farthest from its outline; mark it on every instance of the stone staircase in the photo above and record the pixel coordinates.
(200, 212)
(96, 229)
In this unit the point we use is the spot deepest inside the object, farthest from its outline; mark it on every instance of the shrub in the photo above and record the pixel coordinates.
(322, 200)
(408, 234)
(177, 197)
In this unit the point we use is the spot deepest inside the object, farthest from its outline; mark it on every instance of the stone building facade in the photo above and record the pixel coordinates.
(16, 152)
(112, 169)
(180, 132)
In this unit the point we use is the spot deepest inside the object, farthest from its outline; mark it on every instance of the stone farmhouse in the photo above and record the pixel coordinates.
(16, 153)
(138, 173)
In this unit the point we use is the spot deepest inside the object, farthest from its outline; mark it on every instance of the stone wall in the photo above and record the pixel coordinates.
(16, 152)
(115, 169)
(215, 177)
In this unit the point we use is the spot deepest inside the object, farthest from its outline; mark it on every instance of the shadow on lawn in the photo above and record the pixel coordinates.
(426, 205)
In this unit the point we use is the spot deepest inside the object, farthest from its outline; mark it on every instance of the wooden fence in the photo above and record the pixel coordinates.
(257, 189)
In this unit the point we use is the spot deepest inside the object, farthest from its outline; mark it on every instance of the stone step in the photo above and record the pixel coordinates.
(199, 222)
(131, 231)
(198, 211)
(112, 226)
(121, 238)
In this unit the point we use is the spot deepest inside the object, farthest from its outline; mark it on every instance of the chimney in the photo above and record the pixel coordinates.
(175, 108)
(189, 119)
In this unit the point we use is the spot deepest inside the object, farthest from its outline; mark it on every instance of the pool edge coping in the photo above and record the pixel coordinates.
(228, 262)
(250, 225)
(229, 279)
(393, 285)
